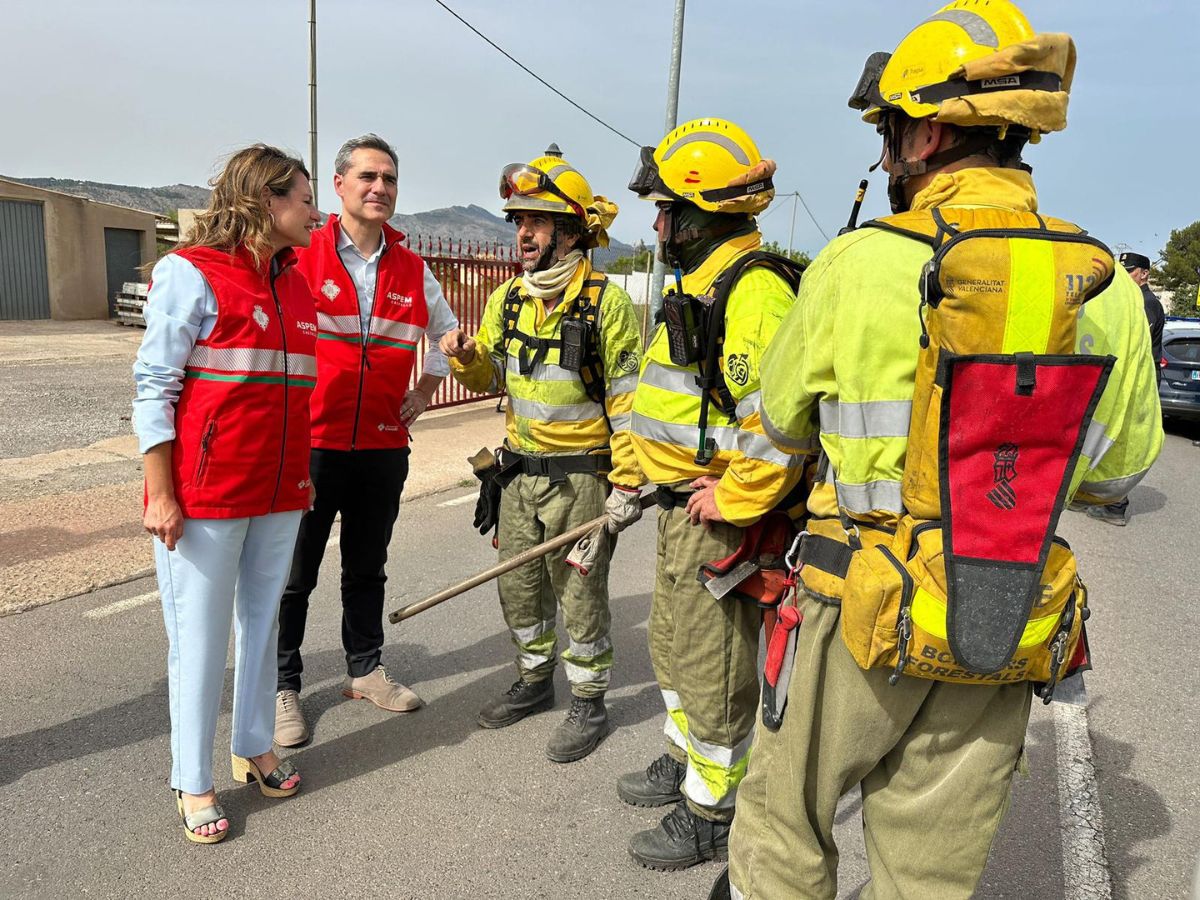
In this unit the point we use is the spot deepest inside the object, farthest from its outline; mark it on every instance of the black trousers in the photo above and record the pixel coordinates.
(364, 486)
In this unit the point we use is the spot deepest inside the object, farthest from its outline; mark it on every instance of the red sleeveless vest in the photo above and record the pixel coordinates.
(362, 379)
(241, 422)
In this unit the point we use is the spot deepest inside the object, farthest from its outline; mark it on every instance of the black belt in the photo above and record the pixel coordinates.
(557, 468)
(669, 499)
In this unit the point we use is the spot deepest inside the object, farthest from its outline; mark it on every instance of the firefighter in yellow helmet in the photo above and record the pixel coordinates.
(907, 663)
(564, 342)
(698, 437)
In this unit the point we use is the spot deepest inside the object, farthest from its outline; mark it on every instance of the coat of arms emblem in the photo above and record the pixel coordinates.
(261, 319)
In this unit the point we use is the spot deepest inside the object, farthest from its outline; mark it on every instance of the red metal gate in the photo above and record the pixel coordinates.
(468, 273)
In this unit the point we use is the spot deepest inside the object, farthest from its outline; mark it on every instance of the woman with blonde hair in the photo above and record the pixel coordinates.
(223, 379)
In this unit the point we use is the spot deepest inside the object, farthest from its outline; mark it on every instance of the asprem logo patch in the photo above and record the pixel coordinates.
(301, 485)
(261, 319)
(310, 327)
(399, 299)
(1008, 81)
(383, 426)
(1004, 473)
(330, 290)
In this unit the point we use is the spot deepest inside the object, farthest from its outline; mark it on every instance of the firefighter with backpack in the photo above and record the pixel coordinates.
(968, 364)
(698, 437)
(564, 343)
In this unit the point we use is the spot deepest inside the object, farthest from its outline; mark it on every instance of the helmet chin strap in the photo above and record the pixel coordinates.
(901, 169)
(677, 238)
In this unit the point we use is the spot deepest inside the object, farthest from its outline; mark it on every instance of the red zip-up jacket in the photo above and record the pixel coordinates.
(241, 422)
(362, 379)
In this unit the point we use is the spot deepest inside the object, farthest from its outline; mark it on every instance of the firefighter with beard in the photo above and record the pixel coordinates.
(698, 436)
(564, 343)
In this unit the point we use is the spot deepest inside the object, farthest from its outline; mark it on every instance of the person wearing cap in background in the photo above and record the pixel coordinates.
(1138, 267)
(563, 341)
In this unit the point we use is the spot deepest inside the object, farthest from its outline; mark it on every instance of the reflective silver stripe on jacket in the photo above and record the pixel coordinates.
(677, 381)
(748, 405)
(395, 331)
(251, 359)
(758, 446)
(546, 412)
(1113, 489)
(339, 324)
(682, 435)
(620, 422)
(626, 384)
(784, 440)
(883, 495)
(543, 371)
(1096, 442)
(871, 419)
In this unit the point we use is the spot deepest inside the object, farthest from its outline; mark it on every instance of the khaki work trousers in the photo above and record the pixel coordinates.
(934, 760)
(532, 511)
(705, 657)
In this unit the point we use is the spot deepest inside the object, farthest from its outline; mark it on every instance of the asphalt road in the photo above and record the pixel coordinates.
(428, 805)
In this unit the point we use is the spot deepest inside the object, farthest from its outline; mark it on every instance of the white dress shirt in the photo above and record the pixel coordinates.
(364, 272)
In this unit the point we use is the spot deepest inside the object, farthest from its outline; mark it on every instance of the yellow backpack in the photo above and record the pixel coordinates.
(974, 586)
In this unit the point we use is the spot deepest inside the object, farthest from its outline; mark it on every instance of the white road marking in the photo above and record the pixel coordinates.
(459, 501)
(1085, 860)
(110, 609)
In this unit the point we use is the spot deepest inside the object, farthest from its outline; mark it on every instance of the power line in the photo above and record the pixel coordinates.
(528, 70)
(800, 197)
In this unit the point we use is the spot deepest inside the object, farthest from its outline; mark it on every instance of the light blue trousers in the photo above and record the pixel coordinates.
(222, 570)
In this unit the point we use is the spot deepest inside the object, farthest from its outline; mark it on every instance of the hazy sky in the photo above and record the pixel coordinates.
(150, 93)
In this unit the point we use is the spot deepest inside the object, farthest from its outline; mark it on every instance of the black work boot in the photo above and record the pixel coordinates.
(681, 840)
(519, 701)
(658, 785)
(585, 727)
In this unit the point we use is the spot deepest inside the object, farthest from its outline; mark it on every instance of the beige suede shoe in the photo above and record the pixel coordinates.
(290, 728)
(382, 691)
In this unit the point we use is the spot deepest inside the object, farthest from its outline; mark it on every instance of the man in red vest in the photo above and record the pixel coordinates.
(375, 300)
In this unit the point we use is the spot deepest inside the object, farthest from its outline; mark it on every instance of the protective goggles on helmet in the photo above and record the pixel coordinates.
(866, 94)
(646, 182)
(525, 181)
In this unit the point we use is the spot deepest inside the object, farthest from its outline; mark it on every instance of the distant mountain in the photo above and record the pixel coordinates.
(475, 224)
(472, 223)
(161, 200)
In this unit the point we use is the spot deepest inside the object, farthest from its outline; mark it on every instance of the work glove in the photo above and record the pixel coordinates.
(586, 552)
(487, 507)
(624, 507)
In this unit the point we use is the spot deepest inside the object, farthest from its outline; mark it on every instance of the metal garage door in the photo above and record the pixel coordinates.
(24, 287)
(122, 256)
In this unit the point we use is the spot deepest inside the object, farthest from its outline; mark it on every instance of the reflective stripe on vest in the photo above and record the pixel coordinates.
(250, 364)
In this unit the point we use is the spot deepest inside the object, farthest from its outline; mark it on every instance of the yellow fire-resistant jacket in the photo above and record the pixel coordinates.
(843, 365)
(549, 410)
(754, 475)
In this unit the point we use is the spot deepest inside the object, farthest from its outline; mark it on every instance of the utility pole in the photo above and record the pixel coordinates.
(660, 270)
(312, 97)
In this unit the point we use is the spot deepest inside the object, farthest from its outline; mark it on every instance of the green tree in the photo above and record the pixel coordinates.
(627, 265)
(796, 255)
(1179, 272)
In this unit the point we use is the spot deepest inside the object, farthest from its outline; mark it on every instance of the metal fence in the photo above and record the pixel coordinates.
(468, 272)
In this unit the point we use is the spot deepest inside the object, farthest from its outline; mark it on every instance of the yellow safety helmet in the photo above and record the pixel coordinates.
(972, 63)
(551, 184)
(710, 163)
